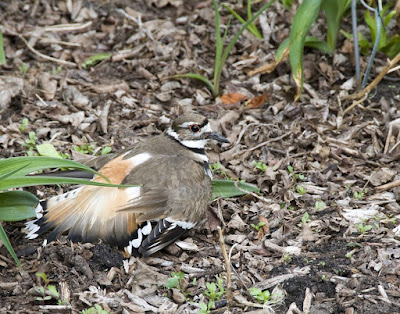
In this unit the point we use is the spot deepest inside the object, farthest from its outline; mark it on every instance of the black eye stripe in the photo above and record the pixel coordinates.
(204, 123)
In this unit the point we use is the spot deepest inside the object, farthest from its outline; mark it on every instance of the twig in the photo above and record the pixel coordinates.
(263, 143)
(44, 56)
(60, 28)
(387, 186)
(227, 265)
(375, 82)
(138, 21)
(355, 103)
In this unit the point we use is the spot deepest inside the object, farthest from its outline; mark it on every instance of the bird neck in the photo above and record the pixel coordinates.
(194, 146)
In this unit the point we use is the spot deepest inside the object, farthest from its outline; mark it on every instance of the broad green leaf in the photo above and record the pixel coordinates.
(42, 180)
(172, 282)
(7, 244)
(227, 188)
(392, 47)
(305, 16)
(11, 173)
(21, 166)
(314, 42)
(17, 205)
(48, 150)
(282, 50)
(334, 11)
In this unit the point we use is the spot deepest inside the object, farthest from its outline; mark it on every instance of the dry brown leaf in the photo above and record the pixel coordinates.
(257, 101)
(264, 230)
(232, 98)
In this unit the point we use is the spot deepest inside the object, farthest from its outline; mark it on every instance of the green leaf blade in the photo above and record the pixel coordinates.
(305, 16)
(17, 205)
(227, 188)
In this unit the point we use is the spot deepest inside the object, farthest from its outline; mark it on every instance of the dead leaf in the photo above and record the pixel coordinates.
(264, 230)
(232, 98)
(257, 101)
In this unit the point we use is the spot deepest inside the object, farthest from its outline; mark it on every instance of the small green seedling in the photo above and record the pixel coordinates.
(206, 308)
(106, 150)
(175, 280)
(259, 295)
(260, 165)
(363, 228)
(301, 190)
(96, 309)
(22, 67)
(305, 218)
(30, 143)
(295, 176)
(359, 194)
(57, 70)
(24, 124)
(217, 169)
(319, 205)
(85, 148)
(213, 292)
(258, 226)
(48, 291)
(286, 258)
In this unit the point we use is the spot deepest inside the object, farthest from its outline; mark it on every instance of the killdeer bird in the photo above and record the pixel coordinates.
(175, 189)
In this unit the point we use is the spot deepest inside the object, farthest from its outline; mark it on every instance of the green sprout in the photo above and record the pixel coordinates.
(175, 280)
(258, 226)
(363, 228)
(301, 190)
(96, 309)
(48, 291)
(319, 205)
(260, 165)
(24, 124)
(306, 218)
(259, 295)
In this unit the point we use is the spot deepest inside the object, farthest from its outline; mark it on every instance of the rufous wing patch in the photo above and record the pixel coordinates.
(92, 213)
(115, 170)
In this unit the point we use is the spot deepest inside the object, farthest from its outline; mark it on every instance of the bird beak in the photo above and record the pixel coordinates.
(217, 137)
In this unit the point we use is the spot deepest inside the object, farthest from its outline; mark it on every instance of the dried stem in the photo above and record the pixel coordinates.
(227, 265)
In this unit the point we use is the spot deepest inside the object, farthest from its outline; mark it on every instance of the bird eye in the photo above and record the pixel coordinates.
(194, 128)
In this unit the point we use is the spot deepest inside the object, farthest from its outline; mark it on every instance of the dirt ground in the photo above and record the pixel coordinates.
(331, 235)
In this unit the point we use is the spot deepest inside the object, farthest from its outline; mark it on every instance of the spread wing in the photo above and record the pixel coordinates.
(138, 219)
